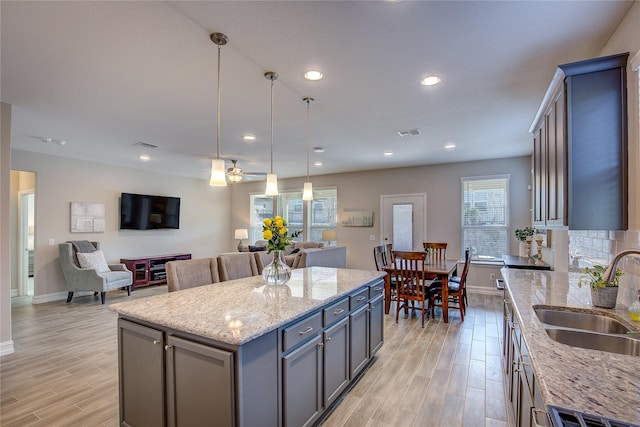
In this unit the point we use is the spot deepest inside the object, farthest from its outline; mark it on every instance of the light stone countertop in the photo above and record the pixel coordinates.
(237, 311)
(590, 381)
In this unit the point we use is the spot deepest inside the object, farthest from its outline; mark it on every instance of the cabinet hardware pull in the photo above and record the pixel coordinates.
(361, 298)
(156, 342)
(377, 289)
(306, 331)
(534, 416)
(328, 338)
(168, 347)
(335, 313)
(320, 345)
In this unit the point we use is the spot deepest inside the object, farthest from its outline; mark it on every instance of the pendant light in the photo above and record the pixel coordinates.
(272, 178)
(218, 173)
(307, 192)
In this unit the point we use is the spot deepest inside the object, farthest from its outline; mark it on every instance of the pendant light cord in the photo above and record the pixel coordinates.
(308, 104)
(218, 118)
(272, 125)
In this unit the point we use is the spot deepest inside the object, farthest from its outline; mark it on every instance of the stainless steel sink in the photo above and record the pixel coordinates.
(579, 320)
(612, 343)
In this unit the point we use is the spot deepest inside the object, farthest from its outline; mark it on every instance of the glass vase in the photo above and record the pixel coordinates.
(277, 272)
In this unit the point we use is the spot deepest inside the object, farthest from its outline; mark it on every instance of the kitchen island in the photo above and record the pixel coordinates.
(241, 353)
(542, 373)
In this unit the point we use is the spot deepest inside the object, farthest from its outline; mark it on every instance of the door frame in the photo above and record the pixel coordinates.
(23, 236)
(403, 197)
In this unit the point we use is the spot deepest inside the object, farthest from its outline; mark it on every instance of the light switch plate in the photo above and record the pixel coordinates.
(51, 242)
(372, 237)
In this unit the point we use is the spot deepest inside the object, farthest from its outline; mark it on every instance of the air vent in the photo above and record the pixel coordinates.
(409, 132)
(145, 145)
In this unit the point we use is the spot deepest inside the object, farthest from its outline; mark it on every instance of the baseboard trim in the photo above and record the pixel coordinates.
(14, 293)
(41, 299)
(6, 348)
(483, 290)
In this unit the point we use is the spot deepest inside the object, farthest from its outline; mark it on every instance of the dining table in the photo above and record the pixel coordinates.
(437, 267)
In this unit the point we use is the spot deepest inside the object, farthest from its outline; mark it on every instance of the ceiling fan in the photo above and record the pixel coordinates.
(236, 174)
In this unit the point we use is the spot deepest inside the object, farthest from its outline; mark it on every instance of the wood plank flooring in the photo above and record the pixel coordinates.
(64, 369)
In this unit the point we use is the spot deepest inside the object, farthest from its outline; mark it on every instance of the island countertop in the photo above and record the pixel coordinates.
(237, 311)
(590, 381)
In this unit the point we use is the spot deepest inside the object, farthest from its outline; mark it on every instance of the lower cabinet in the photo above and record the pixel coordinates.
(521, 385)
(170, 381)
(359, 343)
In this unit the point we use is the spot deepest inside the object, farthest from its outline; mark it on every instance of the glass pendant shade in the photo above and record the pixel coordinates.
(272, 185)
(307, 192)
(218, 173)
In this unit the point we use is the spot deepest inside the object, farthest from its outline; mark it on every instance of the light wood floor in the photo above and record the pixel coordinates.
(64, 369)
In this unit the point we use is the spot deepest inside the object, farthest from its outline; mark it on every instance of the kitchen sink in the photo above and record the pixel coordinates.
(621, 344)
(580, 320)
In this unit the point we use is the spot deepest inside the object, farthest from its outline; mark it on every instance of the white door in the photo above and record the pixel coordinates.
(26, 231)
(404, 221)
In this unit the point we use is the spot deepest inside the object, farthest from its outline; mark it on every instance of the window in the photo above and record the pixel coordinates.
(323, 214)
(261, 207)
(310, 219)
(291, 209)
(485, 217)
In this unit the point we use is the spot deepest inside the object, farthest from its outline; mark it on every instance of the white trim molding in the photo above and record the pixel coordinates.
(6, 348)
(635, 61)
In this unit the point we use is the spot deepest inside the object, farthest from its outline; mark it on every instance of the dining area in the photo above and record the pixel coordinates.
(422, 280)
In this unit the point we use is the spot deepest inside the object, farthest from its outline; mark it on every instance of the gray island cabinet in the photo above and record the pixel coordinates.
(241, 353)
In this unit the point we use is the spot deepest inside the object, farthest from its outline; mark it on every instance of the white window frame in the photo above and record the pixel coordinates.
(504, 227)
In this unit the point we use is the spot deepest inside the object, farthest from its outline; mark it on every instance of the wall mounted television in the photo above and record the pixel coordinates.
(146, 212)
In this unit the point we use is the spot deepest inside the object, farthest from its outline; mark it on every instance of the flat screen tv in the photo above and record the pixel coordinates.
(145, 212)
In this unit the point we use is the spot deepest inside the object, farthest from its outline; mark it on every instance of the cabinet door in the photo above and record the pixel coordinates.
(140, 271)
(302, 384)
(525, 403)
(539, 176)
(359, 340)
(556, 171)
(336, 361)
(200, 389)
(376, 325)
(141, 375)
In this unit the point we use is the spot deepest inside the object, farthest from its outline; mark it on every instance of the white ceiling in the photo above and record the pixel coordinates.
(105, 75)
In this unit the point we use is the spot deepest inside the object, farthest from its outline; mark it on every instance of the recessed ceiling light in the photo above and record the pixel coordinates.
(449, 146)
(317, 164)
(388, 153)
(318, 149)
(249, 137)
(313, 75)
(144, 157)
(430, 81)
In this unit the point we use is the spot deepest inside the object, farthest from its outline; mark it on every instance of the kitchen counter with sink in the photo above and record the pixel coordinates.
(551, 309)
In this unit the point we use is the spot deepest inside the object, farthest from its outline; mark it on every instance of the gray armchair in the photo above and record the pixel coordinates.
(87, 279)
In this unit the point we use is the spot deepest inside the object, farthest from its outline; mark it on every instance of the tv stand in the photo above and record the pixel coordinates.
(150, 270)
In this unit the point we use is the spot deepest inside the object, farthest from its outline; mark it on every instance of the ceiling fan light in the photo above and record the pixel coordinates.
(234, 179)
(307, 192)
(272, 185)
(218, 173)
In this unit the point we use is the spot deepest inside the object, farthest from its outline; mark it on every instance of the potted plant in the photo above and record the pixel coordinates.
(603, 294)
(524, 235)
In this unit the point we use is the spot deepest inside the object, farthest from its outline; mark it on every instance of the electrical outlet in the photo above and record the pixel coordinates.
(492, 276)
(51, 242)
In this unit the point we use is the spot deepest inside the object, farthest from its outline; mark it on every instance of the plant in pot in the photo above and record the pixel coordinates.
(524, 235)
(603, 294)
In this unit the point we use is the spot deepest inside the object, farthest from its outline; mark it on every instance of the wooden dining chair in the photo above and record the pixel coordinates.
(412, 287)
(435, 249)
(456, 292)
(382, 258)
(389, 247)
(467, 261)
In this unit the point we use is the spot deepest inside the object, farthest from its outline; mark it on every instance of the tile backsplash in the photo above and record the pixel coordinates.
(587, 248)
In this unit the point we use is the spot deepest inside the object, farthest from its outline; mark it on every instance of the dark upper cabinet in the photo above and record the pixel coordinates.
(580, 147)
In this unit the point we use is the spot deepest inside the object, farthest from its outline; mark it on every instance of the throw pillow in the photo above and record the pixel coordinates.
(94, 260)
(295, 251)
(257, 248)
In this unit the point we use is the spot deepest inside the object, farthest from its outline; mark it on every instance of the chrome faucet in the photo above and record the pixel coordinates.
(610, 272)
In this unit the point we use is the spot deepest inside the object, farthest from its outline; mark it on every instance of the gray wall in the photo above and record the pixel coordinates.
(204, 220)
(441, 183)
(6, 344)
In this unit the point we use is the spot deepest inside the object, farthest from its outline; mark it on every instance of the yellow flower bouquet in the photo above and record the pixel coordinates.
(274, 231)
